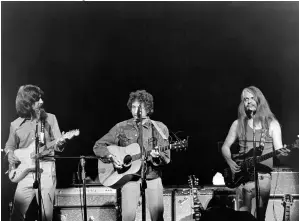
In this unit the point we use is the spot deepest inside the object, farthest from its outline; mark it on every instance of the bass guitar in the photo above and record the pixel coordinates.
(131, 158)
(245, 174)
(26, 156)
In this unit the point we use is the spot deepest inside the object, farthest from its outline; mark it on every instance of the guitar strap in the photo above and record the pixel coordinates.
(263, 137)
(49, 130)
(159, 130)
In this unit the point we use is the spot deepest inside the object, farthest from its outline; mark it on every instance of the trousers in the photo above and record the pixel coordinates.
(246, 194)
(25, 193)
(130, 193)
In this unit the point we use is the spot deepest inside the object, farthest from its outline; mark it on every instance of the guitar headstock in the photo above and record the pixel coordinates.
(69, 135)
(180, 145)
(192, 181)
(287, 200)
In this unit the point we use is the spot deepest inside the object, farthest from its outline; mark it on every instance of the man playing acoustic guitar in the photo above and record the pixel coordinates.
(21, 139)
(254, 115)
(123, 135)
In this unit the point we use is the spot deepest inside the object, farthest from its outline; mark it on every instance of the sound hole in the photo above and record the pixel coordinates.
(127, 160)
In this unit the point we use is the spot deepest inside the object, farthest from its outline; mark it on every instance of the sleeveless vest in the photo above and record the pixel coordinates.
(263, 139)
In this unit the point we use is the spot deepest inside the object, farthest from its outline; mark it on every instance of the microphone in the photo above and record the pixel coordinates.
(250, 113)
(139, 112)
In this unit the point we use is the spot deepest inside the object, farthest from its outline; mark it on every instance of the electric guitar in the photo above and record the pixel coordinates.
(197, 206)
(131, 158)
(245, 174)
(27, 157)
(287, 202)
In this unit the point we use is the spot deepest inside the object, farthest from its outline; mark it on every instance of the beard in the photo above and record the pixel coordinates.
(250, 112)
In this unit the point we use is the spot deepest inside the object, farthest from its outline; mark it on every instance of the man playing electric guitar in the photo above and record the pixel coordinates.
(254, 117)
(126, 133)
(22, 135)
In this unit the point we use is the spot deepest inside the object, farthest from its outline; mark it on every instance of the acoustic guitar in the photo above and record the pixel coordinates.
(131, 158)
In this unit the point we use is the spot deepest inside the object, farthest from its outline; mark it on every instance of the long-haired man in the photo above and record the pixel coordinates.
(254, 117)
(22, 135)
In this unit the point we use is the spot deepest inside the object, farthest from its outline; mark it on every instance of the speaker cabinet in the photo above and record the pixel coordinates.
(183, 202)
(275, 210)
(284, 181)
(95, 196)
(93, 214)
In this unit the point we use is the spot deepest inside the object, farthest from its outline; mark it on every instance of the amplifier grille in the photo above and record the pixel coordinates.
(285, 183)
(95, 196)
(93, 213)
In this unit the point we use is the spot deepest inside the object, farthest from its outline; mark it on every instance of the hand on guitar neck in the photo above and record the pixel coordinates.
(283, 151)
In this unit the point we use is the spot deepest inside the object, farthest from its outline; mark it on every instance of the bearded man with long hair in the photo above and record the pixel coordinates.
(254, 119)
(22, 135)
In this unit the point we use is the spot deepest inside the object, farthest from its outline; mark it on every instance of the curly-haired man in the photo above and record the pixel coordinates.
(154, 134)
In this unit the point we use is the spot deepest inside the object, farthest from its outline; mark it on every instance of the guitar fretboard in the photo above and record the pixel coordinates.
(139, 155)
(249, 162)
(287, 213)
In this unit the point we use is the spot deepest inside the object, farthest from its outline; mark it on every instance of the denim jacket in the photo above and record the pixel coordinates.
(126, 133)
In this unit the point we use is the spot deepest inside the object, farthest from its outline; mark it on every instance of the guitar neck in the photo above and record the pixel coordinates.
(139, 155)
(50, 144)
(196, 200)
(266, 156)
(286, 213)
(249, 162)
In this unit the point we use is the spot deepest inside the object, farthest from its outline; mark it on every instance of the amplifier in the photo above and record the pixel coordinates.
(94, 213)
(178, 202)
(284, 181)
(183, 201)
(95, 196)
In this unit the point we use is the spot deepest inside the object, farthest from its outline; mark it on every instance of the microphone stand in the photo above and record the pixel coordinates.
(82, 161)
(256, 181)
(143, 185)
(37, 184)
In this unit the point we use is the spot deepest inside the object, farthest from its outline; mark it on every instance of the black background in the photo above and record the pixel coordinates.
(193, 57)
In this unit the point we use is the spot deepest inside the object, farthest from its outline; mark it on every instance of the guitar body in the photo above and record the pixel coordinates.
(27, 164)
(233, 180)
(27, 160)
(246, 174)
(116, 178)
(131, 157)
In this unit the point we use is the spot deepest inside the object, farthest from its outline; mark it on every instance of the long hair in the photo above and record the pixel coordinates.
(263, 113)
(143, 97)
(26, 97)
